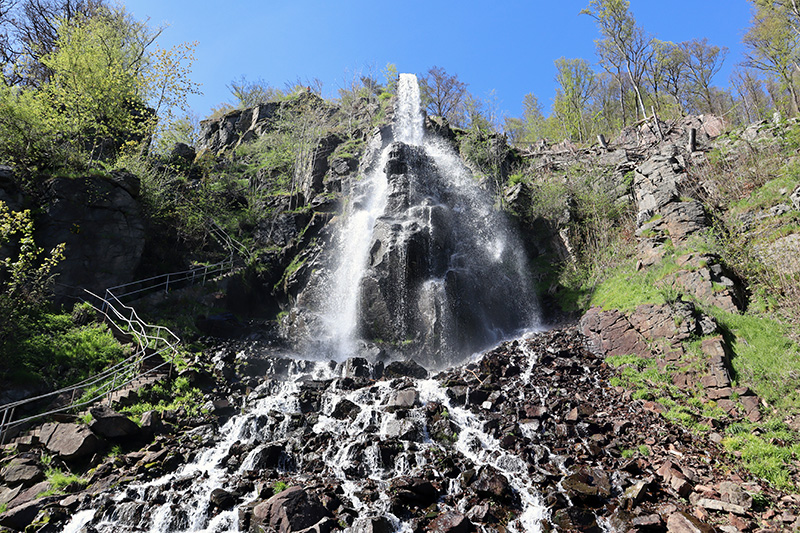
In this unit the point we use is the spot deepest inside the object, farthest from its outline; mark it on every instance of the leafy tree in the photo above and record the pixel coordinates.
(702, 62)
(26, 277)
(576, 82)
(253, 93)
(390, 78)
(773, 43)
(31, 33)
(624, 43)
(754, 102)
(443, 94)
(673, 68)
(107, 85)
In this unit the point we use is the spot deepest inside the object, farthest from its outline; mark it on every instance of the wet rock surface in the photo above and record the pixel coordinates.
(531, 436)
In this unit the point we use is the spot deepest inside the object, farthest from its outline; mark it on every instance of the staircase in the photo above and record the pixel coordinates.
(153, 360)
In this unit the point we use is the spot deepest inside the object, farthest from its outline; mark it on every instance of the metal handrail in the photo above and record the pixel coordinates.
(113, 378)
(164, 280)
(147, 336)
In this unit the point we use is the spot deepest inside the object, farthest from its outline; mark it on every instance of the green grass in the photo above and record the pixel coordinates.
(769, 194)
(53, 348)
(764, 358)
(279, 487)
(167, 397)
(764, 456)
(628, 288)
(59, 480)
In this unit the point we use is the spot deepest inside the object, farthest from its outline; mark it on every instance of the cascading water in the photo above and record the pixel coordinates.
(421, 263)
(420, 260)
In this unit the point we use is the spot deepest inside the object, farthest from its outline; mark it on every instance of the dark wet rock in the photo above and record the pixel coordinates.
(402, 369)
(222, 499)
(293, 509)
(414, 492)
(357, 367)
(345, 409)
(587, 485)
(373, 525)
(112, 425)
(492, 484)
(576, 519)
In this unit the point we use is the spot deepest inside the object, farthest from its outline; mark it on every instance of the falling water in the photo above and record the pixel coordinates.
(421, 263)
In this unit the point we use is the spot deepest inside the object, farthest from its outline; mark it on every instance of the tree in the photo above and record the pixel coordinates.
(32, 33)
(702, 62)
(107, 85)
(576, 82)
(753, 101)
(443, 94)
(26, 277)
(773, 43)
(253, 93)
(624, 42)
(674, 77)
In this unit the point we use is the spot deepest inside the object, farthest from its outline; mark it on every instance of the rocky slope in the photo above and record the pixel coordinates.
(530, 435)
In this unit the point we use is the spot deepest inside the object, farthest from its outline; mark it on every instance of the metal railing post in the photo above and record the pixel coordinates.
(3, 427)
(166, 289)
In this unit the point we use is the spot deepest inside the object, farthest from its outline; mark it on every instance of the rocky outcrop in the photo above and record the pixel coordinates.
(611, 333)
(100, 220)
(69, 441)
(237, 126)
(109, 424)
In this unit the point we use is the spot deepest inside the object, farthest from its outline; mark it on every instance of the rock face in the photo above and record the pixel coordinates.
(100, 220)
(238, 126)
(430, 277)
(611, 333)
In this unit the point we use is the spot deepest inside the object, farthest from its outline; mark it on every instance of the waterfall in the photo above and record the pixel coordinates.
(421, 264)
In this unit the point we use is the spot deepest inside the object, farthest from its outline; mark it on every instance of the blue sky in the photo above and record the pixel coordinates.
(508, 46)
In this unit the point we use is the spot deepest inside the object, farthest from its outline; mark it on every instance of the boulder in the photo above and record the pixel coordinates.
(19, 517)
(222, 499)
(345, 409)
(416, 492)
(21, 471)
(112, 425)
(69, 441)
(402, 369)
(403, 399)
(293, 509)
(611, 333)
(492, 484)
(450, 522)
(373, 525)
(680, 522)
